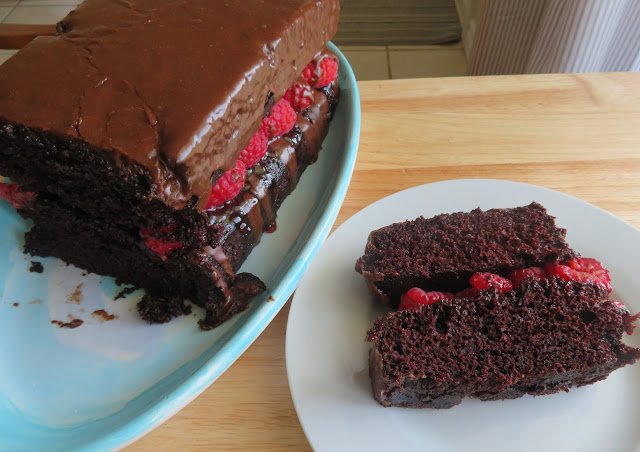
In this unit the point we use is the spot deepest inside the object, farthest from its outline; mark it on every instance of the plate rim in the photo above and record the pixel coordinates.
(289, 337)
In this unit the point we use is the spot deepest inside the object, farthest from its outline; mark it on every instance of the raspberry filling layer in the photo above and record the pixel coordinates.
(579, 269)
(318, 73)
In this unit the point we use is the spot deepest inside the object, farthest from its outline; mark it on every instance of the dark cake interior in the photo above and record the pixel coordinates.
(120, 179)
(544, 337)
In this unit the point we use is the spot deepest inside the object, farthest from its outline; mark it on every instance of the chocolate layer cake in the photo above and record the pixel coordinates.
(155, 141)
(441, 253)
(491, 305)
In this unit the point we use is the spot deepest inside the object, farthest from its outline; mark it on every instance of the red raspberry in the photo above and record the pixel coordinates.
(255, 150)
(308, 71)
(594, 267)
(228, 186)
(321, 73)
(517, 276)
(157, 245)
(280, 121)
(299, 96)
(416, 297)
(328, 71)
(18, 199)
(581, 269)
(483, 281)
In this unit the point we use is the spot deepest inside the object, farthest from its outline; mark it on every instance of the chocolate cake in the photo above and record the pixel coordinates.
(154, 141)
(532, 317)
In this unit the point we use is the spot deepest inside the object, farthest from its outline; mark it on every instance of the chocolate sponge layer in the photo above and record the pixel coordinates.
(441, 253)
(546, 337)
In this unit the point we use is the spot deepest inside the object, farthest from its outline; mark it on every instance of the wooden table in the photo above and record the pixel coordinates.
(578, 134)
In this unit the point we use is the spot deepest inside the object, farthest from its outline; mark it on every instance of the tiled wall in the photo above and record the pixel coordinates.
(391, 62)
(33, 12)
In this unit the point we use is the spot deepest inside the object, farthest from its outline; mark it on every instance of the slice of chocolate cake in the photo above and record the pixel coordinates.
(497, 308)
(155, 141)
(544, 337)
(441, 253)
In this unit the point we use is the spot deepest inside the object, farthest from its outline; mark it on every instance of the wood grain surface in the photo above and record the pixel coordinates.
(578, 134)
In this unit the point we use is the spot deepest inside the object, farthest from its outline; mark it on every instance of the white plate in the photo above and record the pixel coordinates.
(331, 312)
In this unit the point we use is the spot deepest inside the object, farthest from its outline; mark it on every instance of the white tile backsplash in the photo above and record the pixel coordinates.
(50, 2)
(437, 61)
(368, 63)
(37, 14)
(4, 11)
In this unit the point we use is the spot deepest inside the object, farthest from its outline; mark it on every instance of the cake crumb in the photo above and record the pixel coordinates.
(158, 310)
(36, 267)
(271, 298)
(75, 323)
(124, 292)
(16, 304)
(76, 296)
(103, 316)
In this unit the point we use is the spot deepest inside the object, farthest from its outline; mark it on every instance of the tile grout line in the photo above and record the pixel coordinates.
(12, 9)
(388, 62)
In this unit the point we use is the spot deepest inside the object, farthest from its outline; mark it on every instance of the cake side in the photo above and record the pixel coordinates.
(543, 337)
(441, 253)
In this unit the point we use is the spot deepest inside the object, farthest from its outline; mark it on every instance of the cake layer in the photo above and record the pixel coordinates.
(547, 336)
(162, 93)
(441, 253)
(194, 275)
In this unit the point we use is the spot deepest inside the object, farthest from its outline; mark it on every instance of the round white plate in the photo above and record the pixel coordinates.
(332, 311)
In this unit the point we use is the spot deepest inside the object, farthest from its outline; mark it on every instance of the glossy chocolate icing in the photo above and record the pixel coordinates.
(177, 87)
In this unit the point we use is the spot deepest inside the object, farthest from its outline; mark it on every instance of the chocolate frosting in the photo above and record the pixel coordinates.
(177, 87)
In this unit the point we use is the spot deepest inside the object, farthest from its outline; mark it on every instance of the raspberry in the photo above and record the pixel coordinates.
(327, 73)
(585, 270)
(228, 186)
(255, 150)
(280, 121)
(416, 297)
(517, 276)
(299, 96)
(483, 281)
(157, 245)
(321, 73)
(18, 199)
(594, 267)
(308, 71)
